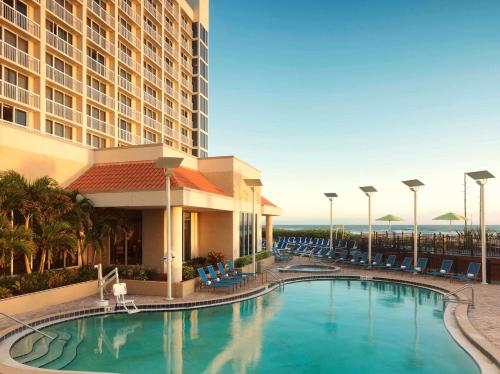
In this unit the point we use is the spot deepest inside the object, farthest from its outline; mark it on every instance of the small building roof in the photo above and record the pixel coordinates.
(264, 201)
(139, 176)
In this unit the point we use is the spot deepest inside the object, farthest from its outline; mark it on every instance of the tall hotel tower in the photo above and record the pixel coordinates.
(107, 73)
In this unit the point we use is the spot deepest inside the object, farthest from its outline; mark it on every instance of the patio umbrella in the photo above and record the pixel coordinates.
(450, 216)
(390, 218)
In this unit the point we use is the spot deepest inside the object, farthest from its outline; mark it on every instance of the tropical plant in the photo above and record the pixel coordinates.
(80, 218)
(54, 238)
(15, 240)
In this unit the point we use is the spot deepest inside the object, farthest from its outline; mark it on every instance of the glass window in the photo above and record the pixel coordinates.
(21, 117)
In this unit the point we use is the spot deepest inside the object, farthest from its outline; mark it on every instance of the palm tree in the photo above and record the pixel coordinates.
(14, 240)
(80, 218)
(54, 238)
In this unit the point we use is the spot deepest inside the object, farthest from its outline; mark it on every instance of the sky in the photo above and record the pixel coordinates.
(327, 96)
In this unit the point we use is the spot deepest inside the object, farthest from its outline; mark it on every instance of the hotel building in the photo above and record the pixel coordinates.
(107, 73)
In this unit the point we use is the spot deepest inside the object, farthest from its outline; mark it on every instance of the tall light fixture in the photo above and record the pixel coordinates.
(481, 177)
(414, 184)
(168, 164)
(369, 190)
(252, 183)
(330, 196)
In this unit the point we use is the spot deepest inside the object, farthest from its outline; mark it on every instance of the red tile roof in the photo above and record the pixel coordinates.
(139, 176)
(264, 201)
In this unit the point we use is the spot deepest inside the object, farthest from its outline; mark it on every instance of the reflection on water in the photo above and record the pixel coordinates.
(305, 327)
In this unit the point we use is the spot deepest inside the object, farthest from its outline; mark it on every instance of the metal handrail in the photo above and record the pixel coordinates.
(447, 297)
(26, 325)
(275, 276)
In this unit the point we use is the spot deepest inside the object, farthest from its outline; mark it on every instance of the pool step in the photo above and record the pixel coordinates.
(25, 346)
(40, 348)
(68, 355)
(56, 349)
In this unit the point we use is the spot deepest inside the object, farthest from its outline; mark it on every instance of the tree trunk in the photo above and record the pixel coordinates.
(80, 252)
(27, 262)
(65, 255)
(12, 252)
(42, 261)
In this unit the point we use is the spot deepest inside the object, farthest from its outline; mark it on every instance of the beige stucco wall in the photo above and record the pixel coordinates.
(216, 233)
(153, 239)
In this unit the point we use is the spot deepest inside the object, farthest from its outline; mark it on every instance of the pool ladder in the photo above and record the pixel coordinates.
(26, 325)
(448, 297)
(275, 276)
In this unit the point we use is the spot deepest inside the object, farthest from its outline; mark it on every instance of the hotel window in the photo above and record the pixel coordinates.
(59, 97)
(150, 113)
(152, 3)
(204, 87)
(169, 22)
(96, 56)
(149, 68)
(169, 42)
(185, 114)
(150, 90)
(204, 70)
(14, 115)
(203, 123)
(185, 149)
(125, 24)
(17, 5)
(204, 52)
(150, 46)
(96, 84)
(96, 113)
(59, 65)
(55, 29)
(125, 75)
(96, 141)
(148, 135)
(168, 142)
(169, 83)
(125, 49)
(185, 58)
(168, 123)
(169, 104)
(204, 35)
(15, 78)
(15, 41)
(203, 105)
(124, 99)
(203, 154)
(58, 129)
(124, 125)
(184, 132)
(100, 3)
(203, 140)
(96, 27)
(246, 234)
(66, 5)
(150, 23)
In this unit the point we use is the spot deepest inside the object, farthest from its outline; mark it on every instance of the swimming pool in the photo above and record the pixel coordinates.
(323, 326)
(309, 268)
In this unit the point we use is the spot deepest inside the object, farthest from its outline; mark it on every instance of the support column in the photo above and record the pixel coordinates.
(269, 233)
(176, 217)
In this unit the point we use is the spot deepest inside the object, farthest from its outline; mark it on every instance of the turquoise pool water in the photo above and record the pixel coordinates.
(308, 327)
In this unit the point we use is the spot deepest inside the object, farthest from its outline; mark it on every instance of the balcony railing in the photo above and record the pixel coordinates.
(19, 57)
(154, 56)
(150, 122)
(129, 86)
(170, 50)
(187, 46)
(63, 46)
(152, 10)
(129, 36)
(129, 61)
(16, 93)
(170, 91)
(171, 30)
(186, 121)
(170, 70)
(133, 15)
(170, 132)
(187, 28)
(101, 13)
(187, 103)
(98, 125)
(148, 141)
(171, 10)
(186, 140)
(150, 99)
(100, 40)
(63, 79)
(129, 137)
(100, 97)
(100, 69)
(63, 111)
(186, 83)
(187, 65)
(65, 15)
(169, 111)
(152, 78)
(129, 111)
(152, 33)
(20, 20)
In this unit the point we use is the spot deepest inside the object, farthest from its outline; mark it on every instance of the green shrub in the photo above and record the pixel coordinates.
(197, 262)
(188, 272)
(136, 272)
(214, 257)
(247, 260)
(311, 233)
(5, 292)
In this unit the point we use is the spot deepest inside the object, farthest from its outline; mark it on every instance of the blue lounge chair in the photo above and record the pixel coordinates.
(322, 253)
(205, 282)
(406, 264)
(388, 264)
(233, 271)
(225, 275)
(445, 269)
(421, 266)
(214, 277)
(377, 260)
(362, 260)
(344, 253)
(281, 256)
(472, 273)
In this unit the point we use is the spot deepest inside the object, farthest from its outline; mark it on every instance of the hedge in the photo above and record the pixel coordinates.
(311, 233)
(246, 260)
(136, 272)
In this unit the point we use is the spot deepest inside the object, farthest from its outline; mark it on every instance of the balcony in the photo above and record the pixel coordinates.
(129, 111)
(127, 60)
(169, 111)
(107, 18)
(148, 141)
(171, 10)
(98, 125)
(171, 92)
(19, 94)
(170, 50)
(156, 81)
(63, 79)
(152, 10)
(19, 57)
(100, 69)
(20, 20)
(100, 97)
(63, 46)
(63, 14)
(152, 55)
(170, 70)
(187, 28)
(187, 66)
(187, 103)
(129, 36)
(129, 86)
(128, 137)
(186, 140)
(188, 47)
(63, 111)
(100, 40)
(150, 122)
(151, 100)
(170, 132)
(186, 121)
(134, 16)
(152, 33)
(170, 29)
(187, 84)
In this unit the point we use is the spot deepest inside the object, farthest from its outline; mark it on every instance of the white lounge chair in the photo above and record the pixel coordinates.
(119, 291)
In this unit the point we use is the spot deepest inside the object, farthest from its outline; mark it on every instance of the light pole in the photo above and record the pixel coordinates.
(330, 196)
(167, 164)
(252, 183)
(369, 190)
(481, 177)
(414, 184)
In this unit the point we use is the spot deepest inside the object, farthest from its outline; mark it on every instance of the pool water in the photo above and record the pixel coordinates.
(336, 326)
(309, 269)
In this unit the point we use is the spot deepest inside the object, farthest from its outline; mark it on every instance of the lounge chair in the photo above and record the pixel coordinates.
(205, 282)
(362, 260)
(406, 264)
(215, 278)
(388, 264)
(377, 260)
(420, 268)
(281, 256)
(233, 271)
(472, 273)
(119, 291)
(225, 275)
(445, 269)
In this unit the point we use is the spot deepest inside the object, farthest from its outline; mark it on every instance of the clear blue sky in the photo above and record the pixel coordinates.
(331, 95)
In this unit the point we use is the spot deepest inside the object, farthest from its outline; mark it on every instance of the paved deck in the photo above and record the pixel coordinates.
(485, 316)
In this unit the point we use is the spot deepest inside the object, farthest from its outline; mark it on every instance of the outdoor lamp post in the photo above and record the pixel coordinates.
(481, 177)
(369, 190)
(414, 184)
(167, 164)
(330, 196)
(252, 183)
